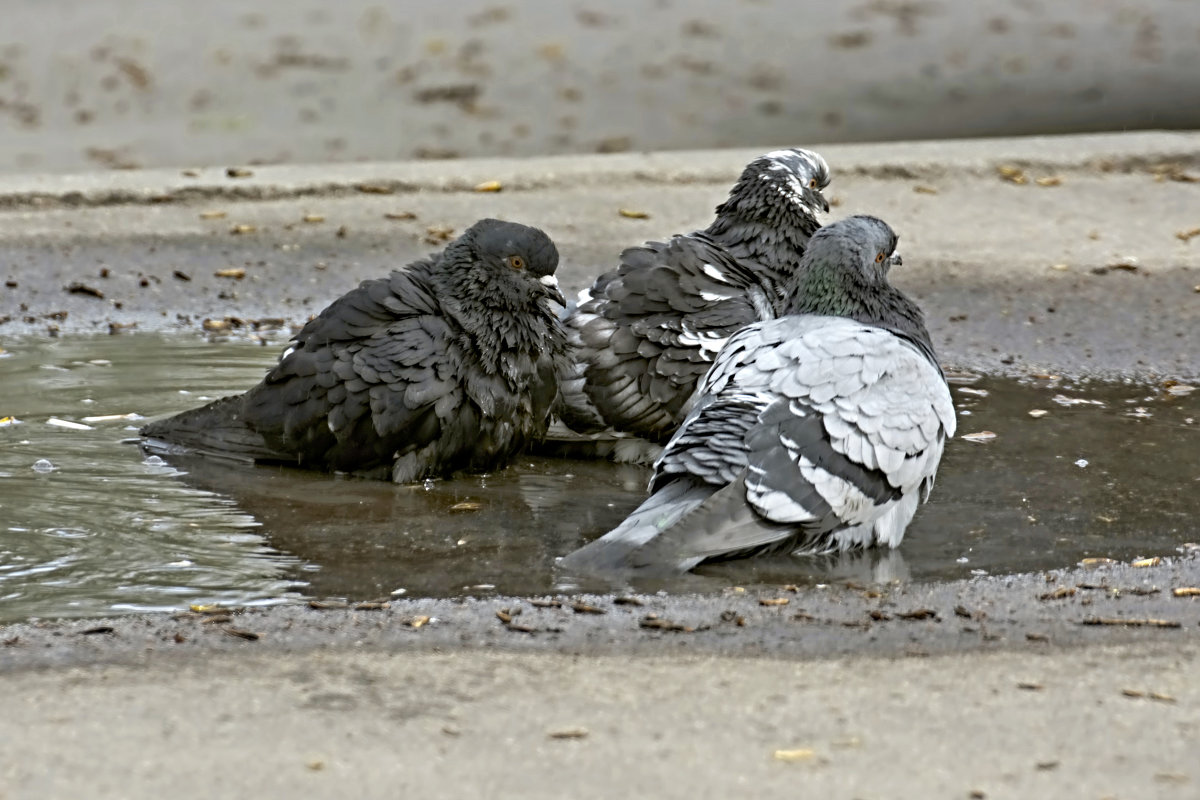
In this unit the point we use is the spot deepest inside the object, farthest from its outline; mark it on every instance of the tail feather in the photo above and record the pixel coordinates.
(618, 549)
(723, 526)
(216, 429)
(683, 524)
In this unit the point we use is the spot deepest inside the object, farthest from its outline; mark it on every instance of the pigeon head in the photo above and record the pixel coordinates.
(782, 180)
(514, 261)
(844, 272)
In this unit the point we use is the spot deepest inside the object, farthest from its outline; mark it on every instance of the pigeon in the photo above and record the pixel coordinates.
(816, 432)
(646, 332)
(450, 364)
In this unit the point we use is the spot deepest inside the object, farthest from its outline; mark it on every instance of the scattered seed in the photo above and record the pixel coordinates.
(1058, 594)
(1131, 623)
(238, 230)
(466, 505)
(538, 603)
(238, 172)
(190, 173)
(1037, 637)
(202, 608)
(212, 215)
(236, 273)
(962, 611)
(1186, 591)
(626, 601)
(1060, 267)
(583, 608)
(1012, 174)
(1146, 562)
(1124, 266)
(327, 604)
(436, 234)
(652, 622)
(313, 218)
(399, 215)
(773, 601)
(488, 186)
(372, 605)
(878, 616)
(796, 755)
(97, 629)
(341, 232)
(568, 733)
(181, 275)
(1097, 562)
(216, 325)
(979, 437)
(1030, 686)
(917, 614)
(925, 190)
(83, 288)
(374, 188)
(630, 213)
(418, 621)
(249, 636)
(1052, 180)
(514, 626)
(1187, 235)
(1160, 697)
(1046, 766)
(1038, 413)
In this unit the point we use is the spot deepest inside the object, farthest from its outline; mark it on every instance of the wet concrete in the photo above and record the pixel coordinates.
(1014, 277)
(993, 708)
(100, 527)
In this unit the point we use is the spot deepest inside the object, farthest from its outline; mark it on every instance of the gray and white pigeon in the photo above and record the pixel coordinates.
(450, 364)
(646, 332)
(817, 432)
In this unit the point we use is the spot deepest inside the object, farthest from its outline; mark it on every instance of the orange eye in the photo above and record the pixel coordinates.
(879, 257)
(812, 184)
(516, 262)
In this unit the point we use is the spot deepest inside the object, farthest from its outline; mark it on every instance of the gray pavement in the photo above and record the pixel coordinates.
(1079, 682)
(100, 84)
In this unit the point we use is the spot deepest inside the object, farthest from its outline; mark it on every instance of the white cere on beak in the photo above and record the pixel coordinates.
(548, 281)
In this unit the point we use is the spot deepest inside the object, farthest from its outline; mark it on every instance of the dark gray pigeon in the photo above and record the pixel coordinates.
(450, 364)
(817, 432)
(646, 332)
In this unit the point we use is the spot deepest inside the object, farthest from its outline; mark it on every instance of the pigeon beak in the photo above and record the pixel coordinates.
(816, 199)
(550, 287)
(895, 260)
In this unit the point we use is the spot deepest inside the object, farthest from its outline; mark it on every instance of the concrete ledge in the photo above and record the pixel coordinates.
(1103, 152)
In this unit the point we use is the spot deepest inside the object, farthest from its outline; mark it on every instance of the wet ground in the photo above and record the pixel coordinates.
(1044, 474)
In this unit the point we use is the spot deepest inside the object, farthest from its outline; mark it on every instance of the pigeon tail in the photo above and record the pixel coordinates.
(723, 526)
(216, 430)
(619, 549)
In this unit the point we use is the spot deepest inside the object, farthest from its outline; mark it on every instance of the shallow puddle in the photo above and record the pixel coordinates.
(1107, 471)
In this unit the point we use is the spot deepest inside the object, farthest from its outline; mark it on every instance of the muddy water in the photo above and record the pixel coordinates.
(1108, 470)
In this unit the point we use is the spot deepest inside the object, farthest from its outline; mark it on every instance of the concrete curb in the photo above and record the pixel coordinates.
(924, 160)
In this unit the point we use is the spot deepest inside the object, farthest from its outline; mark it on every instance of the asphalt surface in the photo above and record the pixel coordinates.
(1079, 681)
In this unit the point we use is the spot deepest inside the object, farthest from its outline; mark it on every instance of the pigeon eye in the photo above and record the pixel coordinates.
(516, 262)
(879, 257)
(812, 183)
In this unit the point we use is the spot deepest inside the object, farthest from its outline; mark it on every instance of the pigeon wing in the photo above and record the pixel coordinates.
(647, 332)
(831, 430)
(375, 375)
